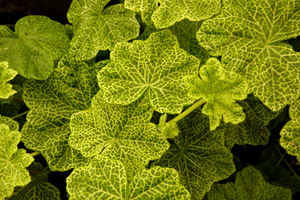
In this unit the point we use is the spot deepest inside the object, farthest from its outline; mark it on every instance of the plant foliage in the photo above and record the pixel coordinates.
(152, 99)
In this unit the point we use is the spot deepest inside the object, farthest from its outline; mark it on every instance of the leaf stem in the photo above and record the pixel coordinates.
(188, 111)
(34, 153)
(21, 114)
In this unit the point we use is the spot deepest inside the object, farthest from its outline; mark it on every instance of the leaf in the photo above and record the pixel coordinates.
(250, 36)
(219, 89)
(171, 11)
(12, 161)
(9, 108)
(290, 133)
(5, 76)
(13, 125)
(167, 129)
(38, 188)
(105, 179)
(249, 184)
(198, 154)
(154, 67)
(97, 28)
(254, 129)
(52, 102)
(145, 7)
(119, 132)
(34, 47)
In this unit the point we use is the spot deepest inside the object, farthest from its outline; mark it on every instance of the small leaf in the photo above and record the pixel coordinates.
(290, 133)
(249, 184)
(105, 179)
(96, 28)
(12, 161)
(34, 47)
(5, 76)
(167, 129)
(119, 132)
(219, 89)
(153, 67)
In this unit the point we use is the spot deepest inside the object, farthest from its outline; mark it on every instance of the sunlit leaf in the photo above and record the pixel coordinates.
(153, 67)
(105, 179)
(250, 36)
(119, 132)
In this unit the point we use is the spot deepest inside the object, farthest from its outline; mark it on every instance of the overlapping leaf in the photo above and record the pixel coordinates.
(254, 129)
(119, 132)
(34, 47)
(171, 11)
(52, 102)
(290, 134)
(249, 184)
(97, 28)
(250, 35)
(219, 89)
(145, 7)
(199, 155)
(13, 125)
(38, 188)
(5, 76)
(105, 179)
(153, 67)
(12, 161)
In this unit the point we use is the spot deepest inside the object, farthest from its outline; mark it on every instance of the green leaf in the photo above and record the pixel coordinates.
(38, 188)
(171, 11)
(220, 89)
(249, 184)
(250, 36)
(34, 47)
(97, 28)
(145, 7)
(254, 129)
(290, 133)
(167, 130)
(12, 161)
(105, 179)
(119, 132)
(13, 125)
(5, 76)
(9, 108)
(52, 102)
(153, 67)
(199, 155)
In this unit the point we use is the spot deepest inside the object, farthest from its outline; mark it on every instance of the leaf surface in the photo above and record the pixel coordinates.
(38, 188)
(219, 89)
(171, 11)
(97, 28)
(106, 179)
(5, 76)
(290, 133)
(250, 35)
(52, 102)
(254, 129)
(249, 184)
(199, 155)
(37, 43)
(12, 161)
(153, 67)
(119, 132)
